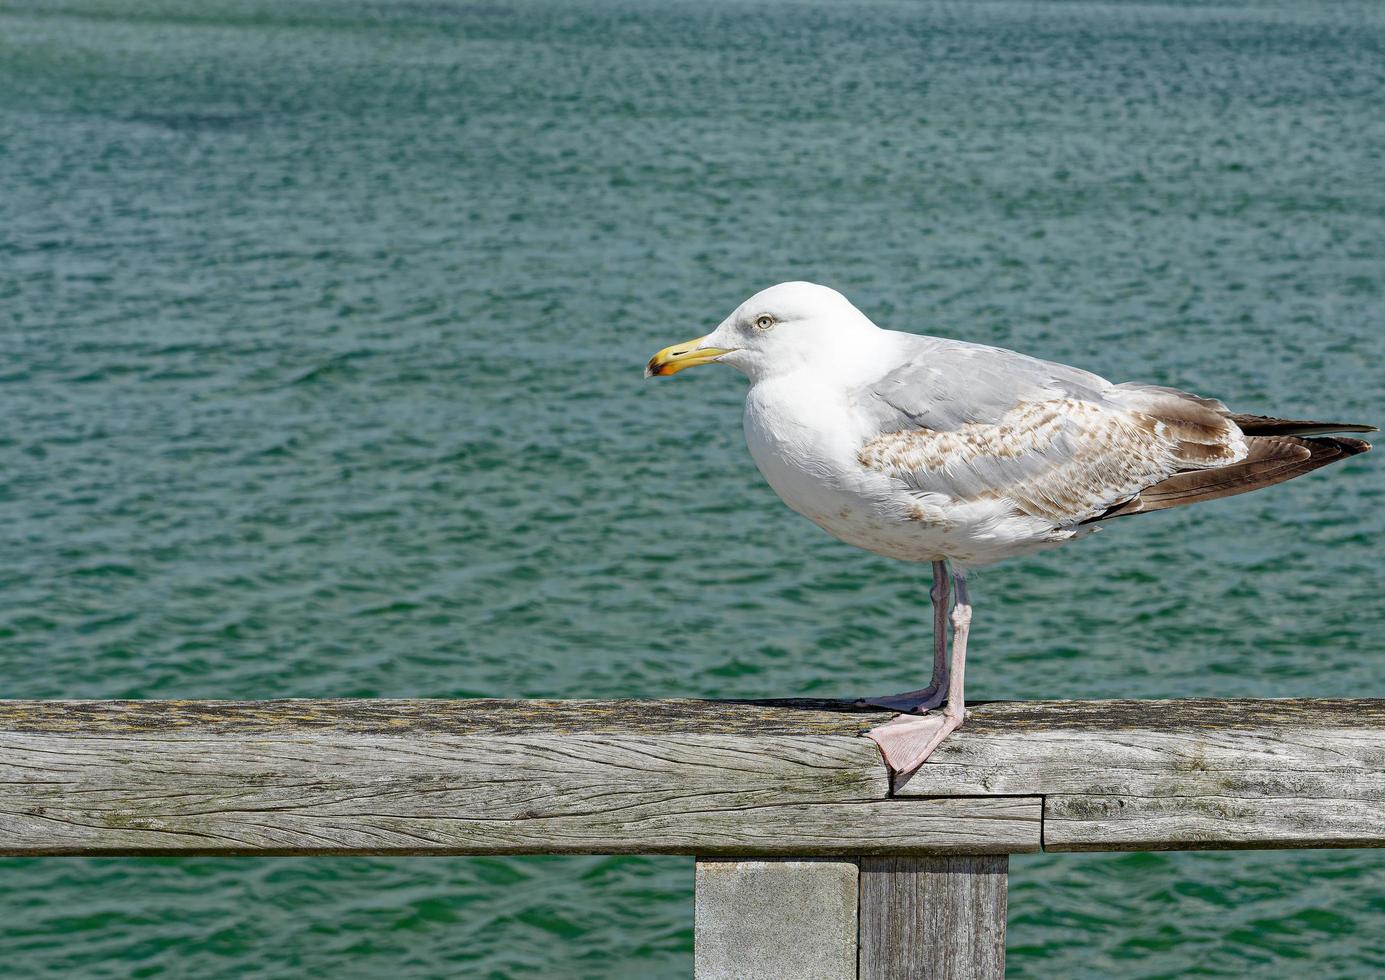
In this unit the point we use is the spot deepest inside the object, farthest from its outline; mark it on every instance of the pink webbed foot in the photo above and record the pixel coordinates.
(910, 702)
(907, 741)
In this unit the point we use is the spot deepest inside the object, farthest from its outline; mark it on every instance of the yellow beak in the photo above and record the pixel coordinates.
(673, 359)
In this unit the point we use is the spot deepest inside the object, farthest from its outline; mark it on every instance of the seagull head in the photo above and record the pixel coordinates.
(782, 328)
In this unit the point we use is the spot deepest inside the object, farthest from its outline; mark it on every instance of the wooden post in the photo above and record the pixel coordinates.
(882, 918)
(768, 920)
(933, 917)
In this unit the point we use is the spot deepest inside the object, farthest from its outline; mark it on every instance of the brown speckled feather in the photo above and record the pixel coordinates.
(1271, 460)
(1065, 460)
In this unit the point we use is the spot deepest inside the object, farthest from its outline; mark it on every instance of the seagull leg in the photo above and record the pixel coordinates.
(907, 741)
(931, 696)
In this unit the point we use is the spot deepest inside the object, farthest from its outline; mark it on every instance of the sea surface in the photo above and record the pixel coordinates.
(321, 334)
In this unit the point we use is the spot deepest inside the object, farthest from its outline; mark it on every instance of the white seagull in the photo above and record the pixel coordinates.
(933, 450)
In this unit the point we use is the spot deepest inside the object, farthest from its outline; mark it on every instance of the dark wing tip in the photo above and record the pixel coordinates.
(1268, 425)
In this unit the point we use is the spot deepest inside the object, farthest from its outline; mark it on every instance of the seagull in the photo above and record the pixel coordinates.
(931, 450)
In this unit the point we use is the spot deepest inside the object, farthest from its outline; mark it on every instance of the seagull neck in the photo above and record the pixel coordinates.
(845, 365)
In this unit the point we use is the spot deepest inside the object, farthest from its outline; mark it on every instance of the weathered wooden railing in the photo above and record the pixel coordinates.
(810, 864)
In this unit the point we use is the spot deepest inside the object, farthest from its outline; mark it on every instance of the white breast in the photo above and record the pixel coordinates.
(801, 438)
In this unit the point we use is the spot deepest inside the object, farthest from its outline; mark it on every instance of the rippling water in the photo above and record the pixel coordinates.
(320, 368)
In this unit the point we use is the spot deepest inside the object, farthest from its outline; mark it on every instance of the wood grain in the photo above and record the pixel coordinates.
(933, 918)
(1157, 775)
(372, 777)
(685, 776)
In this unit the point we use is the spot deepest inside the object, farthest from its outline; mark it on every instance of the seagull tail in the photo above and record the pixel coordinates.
(1272, 459)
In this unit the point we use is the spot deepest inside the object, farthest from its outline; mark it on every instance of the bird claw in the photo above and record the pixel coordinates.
(911, 702)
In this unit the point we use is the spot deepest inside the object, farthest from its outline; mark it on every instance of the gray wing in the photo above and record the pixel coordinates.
(969, 423)
(944, 384)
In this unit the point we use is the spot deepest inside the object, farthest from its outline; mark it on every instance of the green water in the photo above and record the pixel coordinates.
(321, 328)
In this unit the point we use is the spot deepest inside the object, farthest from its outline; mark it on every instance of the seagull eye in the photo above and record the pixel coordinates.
(764, 321)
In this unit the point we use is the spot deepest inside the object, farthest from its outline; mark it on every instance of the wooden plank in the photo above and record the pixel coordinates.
(766, 920)
(392, 778)
(685, 776)
(933, 917)
(1152, 775)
